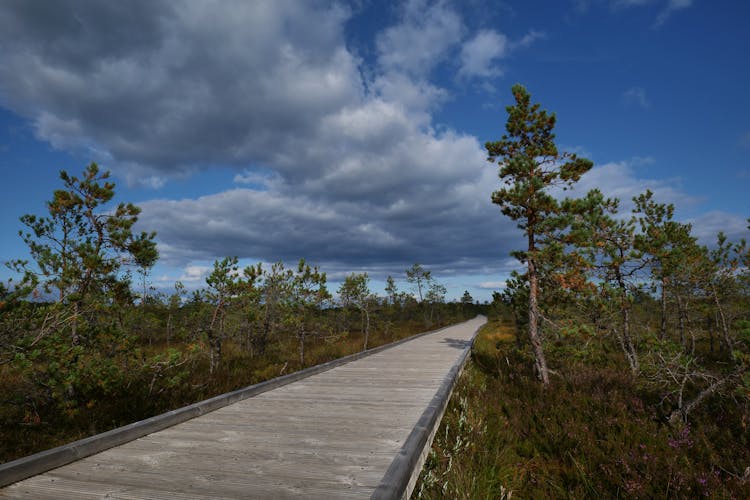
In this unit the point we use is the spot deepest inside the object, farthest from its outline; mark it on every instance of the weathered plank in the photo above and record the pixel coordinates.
(334, 434)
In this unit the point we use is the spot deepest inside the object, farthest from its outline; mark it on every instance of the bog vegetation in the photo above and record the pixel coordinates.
(86, 344)
(617, 362)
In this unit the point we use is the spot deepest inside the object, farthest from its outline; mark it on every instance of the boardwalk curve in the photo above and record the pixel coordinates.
(357, 430)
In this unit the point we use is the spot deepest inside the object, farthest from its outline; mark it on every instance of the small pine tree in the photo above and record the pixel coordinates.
(355, 290)
(79, 249)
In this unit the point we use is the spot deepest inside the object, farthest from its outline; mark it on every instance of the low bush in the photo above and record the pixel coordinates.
(596, 432)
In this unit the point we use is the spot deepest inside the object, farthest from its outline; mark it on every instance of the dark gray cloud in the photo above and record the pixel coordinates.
(453, 229)
(159, 87)
(353, 172)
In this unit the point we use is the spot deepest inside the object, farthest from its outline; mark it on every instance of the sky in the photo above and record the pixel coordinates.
(351, 134)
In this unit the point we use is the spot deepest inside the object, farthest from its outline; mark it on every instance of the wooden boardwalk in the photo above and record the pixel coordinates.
(331, 435)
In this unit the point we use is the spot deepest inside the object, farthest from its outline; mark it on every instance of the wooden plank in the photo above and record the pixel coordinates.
(331, 435)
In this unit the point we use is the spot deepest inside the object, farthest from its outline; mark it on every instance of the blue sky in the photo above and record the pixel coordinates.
(351, 133)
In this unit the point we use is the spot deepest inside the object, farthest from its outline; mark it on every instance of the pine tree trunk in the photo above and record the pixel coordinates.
(681, 322)
(630, 351)
(627, 341)
(249, 338)
(663, 327)
(214, 339)
(724, 326)
(266, 333)
(74, 336)
(301, 336)
(169, 328)
(211, 358)
(534, 337)
(367, 329)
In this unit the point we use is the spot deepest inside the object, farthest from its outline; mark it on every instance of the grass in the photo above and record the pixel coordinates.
(592, 434)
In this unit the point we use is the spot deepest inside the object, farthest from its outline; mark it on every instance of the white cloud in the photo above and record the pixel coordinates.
(424, 36)
(492, 285)
(636, 96)
(479, 55)
(706, 226)
(373, 121)
(259, 180)
(629, 3)
(193, 273)
(421, 198)
(624, 180)
(60, 133)
(621, 180)
(667, 7)
(152, 181)
(671, 7)
(529, 38)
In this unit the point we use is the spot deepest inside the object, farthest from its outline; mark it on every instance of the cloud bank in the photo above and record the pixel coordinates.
(338, 158)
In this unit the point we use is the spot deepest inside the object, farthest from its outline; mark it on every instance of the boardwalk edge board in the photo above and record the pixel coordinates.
(38, 463)
(401, 476)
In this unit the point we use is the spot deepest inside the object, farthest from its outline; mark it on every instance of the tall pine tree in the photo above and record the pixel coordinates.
(530, 165)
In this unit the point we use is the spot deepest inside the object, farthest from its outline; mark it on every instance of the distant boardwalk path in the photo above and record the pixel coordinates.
(331, 435)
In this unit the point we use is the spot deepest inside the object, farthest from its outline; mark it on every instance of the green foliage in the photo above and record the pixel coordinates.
(662, 238)
(79, 249)
(355, 291)
(308, 294)
(391, 290)
(419, 277)
(70, 354)
(530, 164)
(436, 293)
(607, 247)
